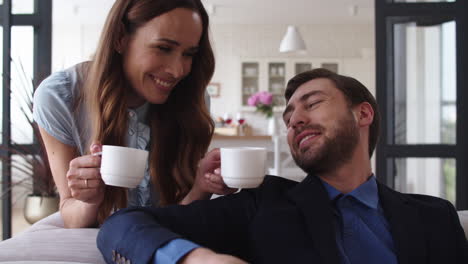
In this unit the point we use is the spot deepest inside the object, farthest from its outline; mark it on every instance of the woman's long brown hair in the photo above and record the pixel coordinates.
(181, 128)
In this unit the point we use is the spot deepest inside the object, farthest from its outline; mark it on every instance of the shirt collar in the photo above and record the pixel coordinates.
(366, 193)
(141, 112)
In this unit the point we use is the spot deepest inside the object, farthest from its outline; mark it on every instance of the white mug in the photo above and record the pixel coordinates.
(243, 167)
(122, 166)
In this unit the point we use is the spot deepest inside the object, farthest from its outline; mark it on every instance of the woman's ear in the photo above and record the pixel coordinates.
(365, 114)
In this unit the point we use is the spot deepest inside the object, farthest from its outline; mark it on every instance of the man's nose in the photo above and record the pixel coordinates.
(297, 120)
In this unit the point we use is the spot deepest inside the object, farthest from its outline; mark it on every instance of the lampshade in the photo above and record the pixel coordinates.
(292, 41)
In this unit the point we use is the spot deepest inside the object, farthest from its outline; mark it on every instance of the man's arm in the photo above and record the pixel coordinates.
(221, 224)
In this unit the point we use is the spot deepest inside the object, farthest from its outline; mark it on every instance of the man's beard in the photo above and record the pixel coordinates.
(334, 152)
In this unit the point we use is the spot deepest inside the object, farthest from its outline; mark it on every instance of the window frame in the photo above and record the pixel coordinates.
(41, 20)
(386, 14)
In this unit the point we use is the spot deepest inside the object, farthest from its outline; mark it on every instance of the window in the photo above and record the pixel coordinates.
(420, 50)
(26, 57)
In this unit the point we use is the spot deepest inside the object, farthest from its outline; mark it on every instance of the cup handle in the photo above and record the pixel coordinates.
(97, 153)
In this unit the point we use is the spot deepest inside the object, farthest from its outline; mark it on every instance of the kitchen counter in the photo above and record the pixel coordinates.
(253, 137)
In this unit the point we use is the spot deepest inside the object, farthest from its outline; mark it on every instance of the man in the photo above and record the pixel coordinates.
(338, 214)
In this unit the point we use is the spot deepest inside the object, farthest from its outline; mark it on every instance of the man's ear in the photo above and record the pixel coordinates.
(365, 114)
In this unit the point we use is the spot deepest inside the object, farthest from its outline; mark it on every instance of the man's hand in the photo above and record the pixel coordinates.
(208, 179)
(206, 256)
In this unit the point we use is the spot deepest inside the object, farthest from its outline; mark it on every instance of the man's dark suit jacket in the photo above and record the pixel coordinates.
(284, 222)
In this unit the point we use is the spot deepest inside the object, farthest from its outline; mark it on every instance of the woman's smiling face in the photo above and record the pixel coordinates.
(159, 54)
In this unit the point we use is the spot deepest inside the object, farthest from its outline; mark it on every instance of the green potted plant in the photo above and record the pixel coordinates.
(29, 163)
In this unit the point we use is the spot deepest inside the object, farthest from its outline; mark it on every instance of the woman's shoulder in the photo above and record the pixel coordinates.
(54, 106)
(62, 85)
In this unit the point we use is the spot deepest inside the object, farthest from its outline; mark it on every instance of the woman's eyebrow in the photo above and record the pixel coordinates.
(176, 43)
(170, 41)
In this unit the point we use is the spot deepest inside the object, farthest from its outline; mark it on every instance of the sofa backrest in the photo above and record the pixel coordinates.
(463, 215)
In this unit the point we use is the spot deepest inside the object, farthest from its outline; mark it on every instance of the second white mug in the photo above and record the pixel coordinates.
(243, 167)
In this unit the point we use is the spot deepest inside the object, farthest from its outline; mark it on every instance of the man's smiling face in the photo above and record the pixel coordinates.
(322, 129)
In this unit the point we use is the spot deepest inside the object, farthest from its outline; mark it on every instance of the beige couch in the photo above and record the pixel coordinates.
(48, 242)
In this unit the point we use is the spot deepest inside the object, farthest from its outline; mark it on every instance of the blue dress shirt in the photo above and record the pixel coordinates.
(173, 251)
(362, 231)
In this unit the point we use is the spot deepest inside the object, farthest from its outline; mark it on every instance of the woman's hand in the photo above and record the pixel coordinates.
(84, 178)
(208, 179)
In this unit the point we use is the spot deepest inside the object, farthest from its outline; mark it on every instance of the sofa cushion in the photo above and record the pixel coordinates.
(463, 215)
(48, 240)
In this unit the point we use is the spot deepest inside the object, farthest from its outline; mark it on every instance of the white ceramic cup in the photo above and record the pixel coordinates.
(122, 166)
(243, 167)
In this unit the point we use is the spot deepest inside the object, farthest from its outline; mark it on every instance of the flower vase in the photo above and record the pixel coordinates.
(272, 126)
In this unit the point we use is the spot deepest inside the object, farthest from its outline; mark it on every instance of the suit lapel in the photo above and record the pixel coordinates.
(312, 199)
(405, 226)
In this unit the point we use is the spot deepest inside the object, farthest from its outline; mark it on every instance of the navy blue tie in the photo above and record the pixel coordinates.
(360, 244)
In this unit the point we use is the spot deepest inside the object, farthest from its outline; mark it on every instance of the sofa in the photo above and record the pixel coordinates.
(48, 242)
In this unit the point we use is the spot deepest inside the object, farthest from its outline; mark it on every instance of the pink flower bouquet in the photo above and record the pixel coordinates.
(263, 101)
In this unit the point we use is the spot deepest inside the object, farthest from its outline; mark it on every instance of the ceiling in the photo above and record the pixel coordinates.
(298, 12)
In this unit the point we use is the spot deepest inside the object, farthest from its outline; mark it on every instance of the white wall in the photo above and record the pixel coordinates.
(353, 45)
(73, 43)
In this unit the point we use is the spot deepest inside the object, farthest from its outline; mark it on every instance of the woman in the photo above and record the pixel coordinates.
(145, 89)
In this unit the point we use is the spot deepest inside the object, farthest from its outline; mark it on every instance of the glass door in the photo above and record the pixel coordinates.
(250, 80)
(277, 81)
(419, 90)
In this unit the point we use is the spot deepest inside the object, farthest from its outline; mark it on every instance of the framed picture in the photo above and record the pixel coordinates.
(213, 89)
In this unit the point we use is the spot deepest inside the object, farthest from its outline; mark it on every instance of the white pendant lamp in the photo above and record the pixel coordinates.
(292, 41)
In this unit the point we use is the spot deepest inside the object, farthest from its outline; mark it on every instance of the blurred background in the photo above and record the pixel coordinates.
(408, 53)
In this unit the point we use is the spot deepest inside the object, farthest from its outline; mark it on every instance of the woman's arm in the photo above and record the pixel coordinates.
(79, 203)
